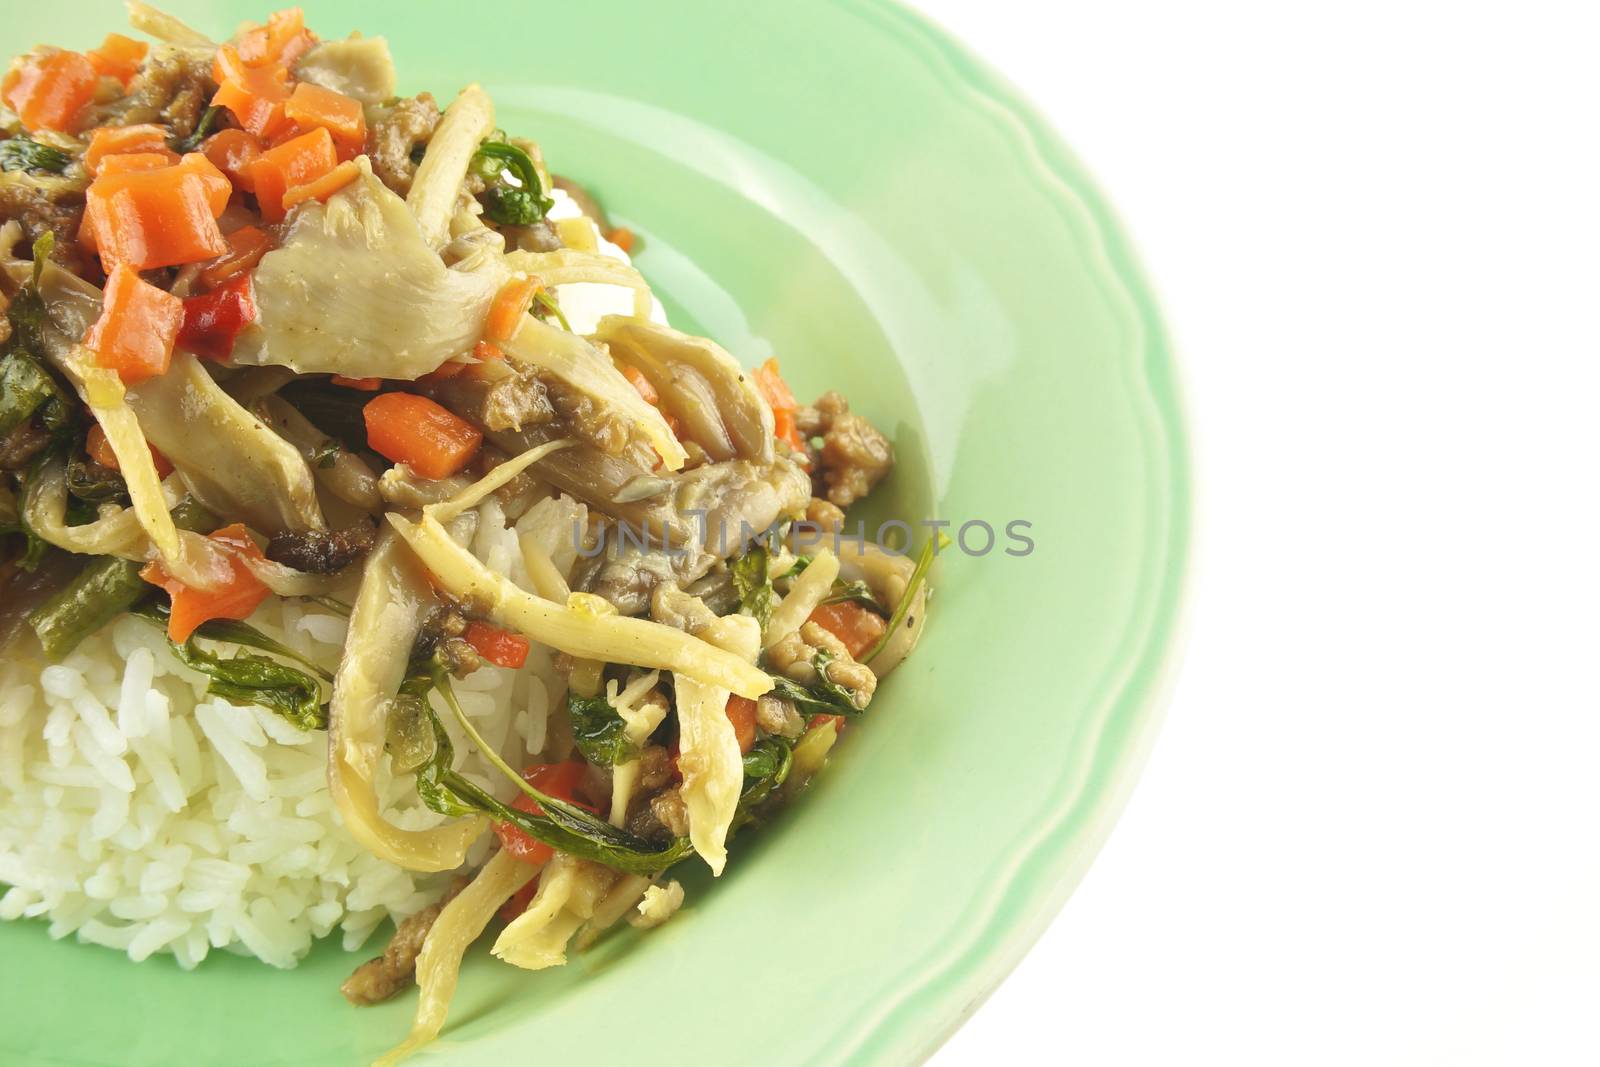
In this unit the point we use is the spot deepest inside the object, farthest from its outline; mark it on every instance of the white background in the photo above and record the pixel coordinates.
(1370, 830)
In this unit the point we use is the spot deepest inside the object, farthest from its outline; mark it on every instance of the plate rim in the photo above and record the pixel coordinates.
(924, 1014)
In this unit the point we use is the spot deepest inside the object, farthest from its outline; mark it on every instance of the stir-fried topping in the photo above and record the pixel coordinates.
(271, 331)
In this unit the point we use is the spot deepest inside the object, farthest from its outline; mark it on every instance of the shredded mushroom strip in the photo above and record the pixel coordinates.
(460, 924)
(383, 626)
(569, 893)
(165, 27)
(712, 771)
(805, 593)
(609, 638)
(467, 121)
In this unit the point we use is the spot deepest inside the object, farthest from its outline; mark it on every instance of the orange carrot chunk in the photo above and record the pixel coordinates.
(280, 42)
(622, 237)
(857, 626)
(641, 384)
(234, 599)
(772, 386)
(413, 430)
(500, 647)
(246, 246)
(509, 305)
(99, 450)
(119, 140)
(255, 95)
(118, 57)
(366, 385)
(131, 161)
(742, 713)
(310, 106)
(137, 326)
(320, 189)
(48, 91)
(218, 187)
(232, 152)
(298, 161)
(154, 218)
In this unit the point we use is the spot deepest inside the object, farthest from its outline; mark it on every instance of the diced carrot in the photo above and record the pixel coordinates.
(212, 321)
(498, 646)
(255, 95)
(118, 57)
(218, 187)
(322, 188)
(99, 450)
(246, 246)
(772, 386)
(857, 626)
(742, 713)
(509, 305)
(413, 430)
(622, 237)
(487, 351)
(297, 161)
(445, 371)
(235, 599)
(280, 42)
(559, 780)
(119, 140)
(48, 91)
(131, 161)
(137, 325)
(311, 106)
(637, 379)
(154, 218)
(232, 151)
(366, 385)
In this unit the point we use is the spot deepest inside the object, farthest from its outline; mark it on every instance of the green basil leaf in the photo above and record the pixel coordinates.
(750, 581)
(514, 196)
(822, 697)
(559, 824)
(599, 731)
(245, 678)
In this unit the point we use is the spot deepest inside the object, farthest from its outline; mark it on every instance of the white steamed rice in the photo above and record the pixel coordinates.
(139, 814)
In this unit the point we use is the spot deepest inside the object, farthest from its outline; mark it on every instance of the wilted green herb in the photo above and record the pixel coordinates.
(202, 130)
(548, 302)
(22, 153)
(822, 697)
(514, 196)
(93, 483)
(560, 825)
(326, 454)
(930, 548)
(245, 678)
(750, 581)
(599, 731)
(858, 592)
(766, 767)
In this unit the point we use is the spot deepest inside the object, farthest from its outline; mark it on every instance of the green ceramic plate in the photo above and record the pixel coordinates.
(839, 183)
